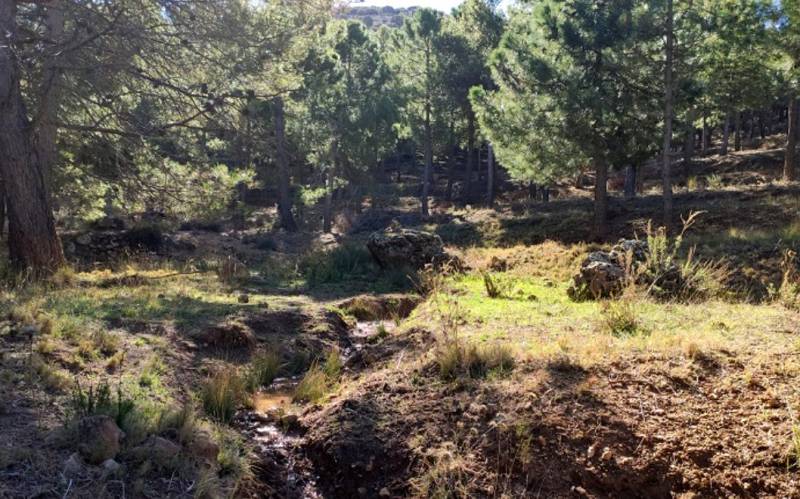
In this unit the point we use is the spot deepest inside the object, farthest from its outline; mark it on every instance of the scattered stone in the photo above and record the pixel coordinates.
(384, 492)
(100, 438)
(159, 450)
(290, 422)
(110, 468)
(204, 447)
(73, 466)
(244, 298)
(110, 223)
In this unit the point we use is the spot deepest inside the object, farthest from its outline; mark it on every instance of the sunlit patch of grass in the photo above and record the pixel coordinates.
(553, 325)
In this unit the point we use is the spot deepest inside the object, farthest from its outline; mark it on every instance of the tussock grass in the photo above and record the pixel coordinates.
(263, 370)
(222, 394)
(457, 359)
(619, 318)
(319, 380)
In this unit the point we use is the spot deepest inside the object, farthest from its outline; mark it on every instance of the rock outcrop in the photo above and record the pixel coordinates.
(405, 248)
(603, 273)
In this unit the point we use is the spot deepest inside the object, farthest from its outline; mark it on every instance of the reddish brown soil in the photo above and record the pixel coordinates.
(641, 427)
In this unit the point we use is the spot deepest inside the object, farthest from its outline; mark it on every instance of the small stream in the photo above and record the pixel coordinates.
(273, 413)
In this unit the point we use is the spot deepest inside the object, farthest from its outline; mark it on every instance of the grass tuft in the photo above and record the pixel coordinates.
(222, 394)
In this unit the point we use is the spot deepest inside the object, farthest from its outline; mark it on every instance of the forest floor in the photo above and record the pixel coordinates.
(250, 366)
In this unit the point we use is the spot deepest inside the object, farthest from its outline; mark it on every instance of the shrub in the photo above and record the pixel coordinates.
(107, 343)
(230, 270)
(618, 318)
(496, 287)
(336, 265)
(789, 292)
(714, 182)
(263, 370)
(100, 401)
(222, 394)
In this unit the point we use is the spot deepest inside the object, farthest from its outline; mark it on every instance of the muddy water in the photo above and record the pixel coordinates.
(285, 471)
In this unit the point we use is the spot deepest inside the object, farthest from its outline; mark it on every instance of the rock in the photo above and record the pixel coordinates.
(110, 468)
(384, 492)
(204, 448)
(290, 422)
(73, 466)
(244, 298)
(109, 223)
(159, 450)
(403, 248)
(602, 273)
(100, 438)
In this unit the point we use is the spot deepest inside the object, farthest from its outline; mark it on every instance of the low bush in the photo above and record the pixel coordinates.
(619, 318)
(339, 264)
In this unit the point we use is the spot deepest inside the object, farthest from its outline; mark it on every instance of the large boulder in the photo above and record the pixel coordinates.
(99, 438)
(404, 248)
(603, 273)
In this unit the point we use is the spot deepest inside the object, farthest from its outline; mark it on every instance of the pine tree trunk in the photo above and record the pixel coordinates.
(2, 209)
(726, 136)
(490, 177)
(789, 160)
(666, 170)
(285, 216)
(451, 172)
(33, 242)
(630, 182)
(737, 141)
(601, 199)
(470, 154)
(50, 90)
(327, 215)
(426, 174)
(688, 147)
(706, 139)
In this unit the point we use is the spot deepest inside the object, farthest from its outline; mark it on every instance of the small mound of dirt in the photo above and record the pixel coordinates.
(231, 334)
(383, 307)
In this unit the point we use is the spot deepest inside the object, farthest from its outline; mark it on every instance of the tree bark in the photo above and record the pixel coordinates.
(630, 182)
(285, 216)
(737, 138)
(50, 90)
(327, 215)
(451, 172)
(426, 182)
(726, 136)
(490, 177)
(706, 139)
(470, 153)
(2, 209)
(601, 199)
(789, 160)
(666, 171)
(688, 147)
(33, 242)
